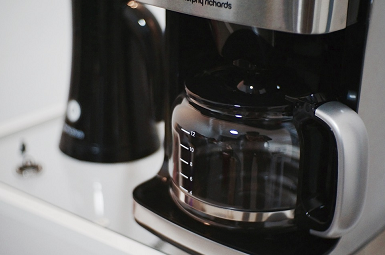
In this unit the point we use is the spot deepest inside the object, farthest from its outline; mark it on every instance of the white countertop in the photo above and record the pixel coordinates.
(85, 193)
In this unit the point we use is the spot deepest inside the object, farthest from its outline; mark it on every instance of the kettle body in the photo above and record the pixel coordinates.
(116, 66)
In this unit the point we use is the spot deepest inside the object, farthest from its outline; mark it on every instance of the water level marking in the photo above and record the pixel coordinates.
(185, 147)
(184, 161)
(184, 130)
(183, 189)
(183, 175)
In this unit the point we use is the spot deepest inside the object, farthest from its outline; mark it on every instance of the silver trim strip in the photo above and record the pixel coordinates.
(352, 146)
(179, 235)
(295, 16)
(228, 214)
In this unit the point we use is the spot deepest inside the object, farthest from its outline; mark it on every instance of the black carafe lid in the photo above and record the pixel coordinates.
(259, 89)
(110, 116)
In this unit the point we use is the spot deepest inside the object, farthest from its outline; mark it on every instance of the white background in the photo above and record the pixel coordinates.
(35, 57)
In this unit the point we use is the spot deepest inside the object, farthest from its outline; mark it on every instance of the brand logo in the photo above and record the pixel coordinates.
(213, 3)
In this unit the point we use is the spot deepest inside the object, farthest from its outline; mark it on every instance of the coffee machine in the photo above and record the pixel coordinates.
(272, 136)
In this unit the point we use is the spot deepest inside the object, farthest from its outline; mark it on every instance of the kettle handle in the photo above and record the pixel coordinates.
(352, 148)
(145, 28)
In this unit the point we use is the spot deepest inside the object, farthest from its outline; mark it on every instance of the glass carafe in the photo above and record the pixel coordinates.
(247, 155)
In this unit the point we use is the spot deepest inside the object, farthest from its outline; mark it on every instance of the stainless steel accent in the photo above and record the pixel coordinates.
(295, 16)
(352, 147)
(187, 200)
(179, 235)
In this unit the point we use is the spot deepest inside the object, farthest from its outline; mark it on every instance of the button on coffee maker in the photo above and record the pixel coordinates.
(265, 151)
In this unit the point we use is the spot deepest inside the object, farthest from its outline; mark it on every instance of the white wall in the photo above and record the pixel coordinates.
(160, 15)
(35, 60)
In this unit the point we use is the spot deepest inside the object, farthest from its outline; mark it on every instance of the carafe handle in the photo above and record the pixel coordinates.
(352, 149)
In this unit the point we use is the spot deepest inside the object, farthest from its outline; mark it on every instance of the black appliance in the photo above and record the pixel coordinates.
(116, 82)
(264, 150)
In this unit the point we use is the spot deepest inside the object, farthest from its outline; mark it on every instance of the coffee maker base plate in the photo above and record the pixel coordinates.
(155, 210)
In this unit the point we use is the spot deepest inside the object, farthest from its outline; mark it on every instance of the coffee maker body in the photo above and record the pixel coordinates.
(304, 50)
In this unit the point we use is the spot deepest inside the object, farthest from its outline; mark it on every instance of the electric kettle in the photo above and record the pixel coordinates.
(116, 82)
(250, 154)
